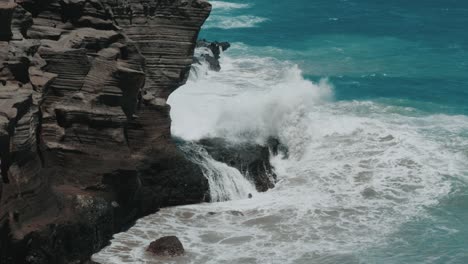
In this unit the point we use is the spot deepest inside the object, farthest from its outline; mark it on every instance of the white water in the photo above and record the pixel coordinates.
(225, 20)
(227, 6)
(226, 183)
(356, 170)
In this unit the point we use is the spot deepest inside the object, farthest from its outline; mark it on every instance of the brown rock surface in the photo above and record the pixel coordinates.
(85, 139)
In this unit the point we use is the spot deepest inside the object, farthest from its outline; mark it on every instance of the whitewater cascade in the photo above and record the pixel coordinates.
(225, 183)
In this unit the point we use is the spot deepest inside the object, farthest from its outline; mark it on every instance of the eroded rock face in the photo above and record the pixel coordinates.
(250, 159)
(169, 246)
(84, 125)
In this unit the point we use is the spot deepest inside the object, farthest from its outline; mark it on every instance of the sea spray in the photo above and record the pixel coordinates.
(250, 99)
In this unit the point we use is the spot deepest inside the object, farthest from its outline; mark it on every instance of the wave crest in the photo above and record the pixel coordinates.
(221, 5)
(228, 22)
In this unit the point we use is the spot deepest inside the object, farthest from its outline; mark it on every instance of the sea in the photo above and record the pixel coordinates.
(370, 97)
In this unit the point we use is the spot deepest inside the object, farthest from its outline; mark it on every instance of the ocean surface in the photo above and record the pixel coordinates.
(371, 99)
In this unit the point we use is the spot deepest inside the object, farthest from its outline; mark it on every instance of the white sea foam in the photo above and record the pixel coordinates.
(226, 183)
(229, 22)
(356, 170)
(227, 108)
(223, 18)
(225, 6)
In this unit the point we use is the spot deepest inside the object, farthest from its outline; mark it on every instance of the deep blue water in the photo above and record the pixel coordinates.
(411, 53)
(414, 52)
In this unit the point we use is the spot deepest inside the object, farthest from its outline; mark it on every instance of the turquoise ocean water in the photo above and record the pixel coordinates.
(408, 54)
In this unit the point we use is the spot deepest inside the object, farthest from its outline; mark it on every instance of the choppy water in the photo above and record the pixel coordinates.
(371, 99)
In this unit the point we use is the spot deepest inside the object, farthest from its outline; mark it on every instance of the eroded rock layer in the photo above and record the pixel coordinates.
(84, 126)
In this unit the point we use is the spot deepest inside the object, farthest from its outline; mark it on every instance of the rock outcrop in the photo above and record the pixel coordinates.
(169, 246)
(251, 159)
(210, 52)
(85, 139)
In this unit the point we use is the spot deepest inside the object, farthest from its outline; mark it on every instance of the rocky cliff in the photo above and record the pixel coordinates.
(84, 126)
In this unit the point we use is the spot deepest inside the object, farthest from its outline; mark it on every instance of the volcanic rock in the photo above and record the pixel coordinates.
(166, 246)
(84, 123)
(210, 52)
(250, 159)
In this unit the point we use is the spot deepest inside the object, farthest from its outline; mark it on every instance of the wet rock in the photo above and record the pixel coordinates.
(250, 159)
(277, 148)
(215, 47)
(211, 53)
(166, 246)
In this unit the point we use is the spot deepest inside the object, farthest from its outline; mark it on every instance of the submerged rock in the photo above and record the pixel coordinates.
(235, 213)
(369, 193)
(250, 159)
(169, 246)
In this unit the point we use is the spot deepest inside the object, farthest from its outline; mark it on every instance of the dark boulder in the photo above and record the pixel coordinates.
(166, 246)
(277, 148)
(250, 159)
(215, 47)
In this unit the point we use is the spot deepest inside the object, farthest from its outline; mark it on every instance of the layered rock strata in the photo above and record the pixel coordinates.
(85, 139)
